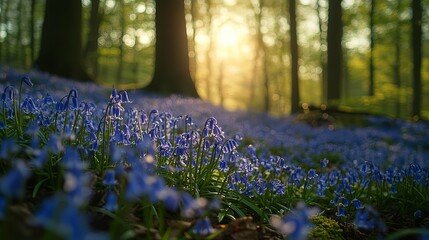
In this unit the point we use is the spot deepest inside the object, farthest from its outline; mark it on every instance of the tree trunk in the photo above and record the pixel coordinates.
(371, 49)
(32, 31)
(294, 57)
(260, 57)
(322, 49)
(334, 38)
(417, 56)
(61, 41)
(209, 51)
(192, 44)
(397, 64)
(91, 49)
(119, 71)
(171, 75)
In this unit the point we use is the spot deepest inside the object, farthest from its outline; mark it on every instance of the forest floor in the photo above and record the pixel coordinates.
(348, 140)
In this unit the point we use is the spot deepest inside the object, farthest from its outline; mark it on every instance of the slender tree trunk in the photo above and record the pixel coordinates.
(19, 48)
(61, 41)
(119, 79)
(322, 49)
(192, 43)
(91, 48)
(6, 30)
(334, 39)
(397, 64)
(260, 56)
(171, 75)
(1, 28)
(371, 49)
(32, 31)
(417, 56)
(220, 85)
(209, 51)
(294, 57)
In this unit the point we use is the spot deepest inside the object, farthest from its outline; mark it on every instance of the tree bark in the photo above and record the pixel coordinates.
(294, 57)
(334, 39)
(397, 64)
(61, 41)
(417, 56)
(371, 49)
(171, 75)
(32, 31)
(322, 48)
(91, 49)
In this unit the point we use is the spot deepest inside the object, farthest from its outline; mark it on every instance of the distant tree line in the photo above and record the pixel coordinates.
(156, 44)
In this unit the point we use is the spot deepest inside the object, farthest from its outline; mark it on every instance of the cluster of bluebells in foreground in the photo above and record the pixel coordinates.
(86, 158)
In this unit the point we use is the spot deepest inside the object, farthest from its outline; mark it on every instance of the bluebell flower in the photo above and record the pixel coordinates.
(418, 213)
(8, 147)
(109, 179)
(358, 205)
(124, 96)
(2, 125)
(73, 93)
(12, 184)
(40, 158)
(193, 208)
(58, 215)
(369, 219)
(3, 205)
(27, 81)
(203, 227)
(295, 225)
(111, 201)
(48, 99)
(170, 197)
(28, 106)
(341, 211)
(324, 162)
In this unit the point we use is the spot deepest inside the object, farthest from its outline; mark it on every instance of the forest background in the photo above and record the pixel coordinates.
(241, 51)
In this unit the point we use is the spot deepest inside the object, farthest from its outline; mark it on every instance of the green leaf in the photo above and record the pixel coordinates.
(37, 187)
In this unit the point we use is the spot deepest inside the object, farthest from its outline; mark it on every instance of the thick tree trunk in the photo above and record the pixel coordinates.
(91, 48)
(334, 39)
(61, 43)
(417, 56)
(294, 57)
(171, 75)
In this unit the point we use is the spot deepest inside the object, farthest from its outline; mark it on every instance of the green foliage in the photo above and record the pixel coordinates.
(325, 229)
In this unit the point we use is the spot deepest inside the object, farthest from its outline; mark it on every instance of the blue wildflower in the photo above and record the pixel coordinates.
(12, 184)
(109, 179)
(111, 201)
(297, 224)
(3, 204)
(418, 213)
(27, 81)
(203, 227)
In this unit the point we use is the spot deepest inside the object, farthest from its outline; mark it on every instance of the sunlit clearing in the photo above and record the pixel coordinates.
(227, 36)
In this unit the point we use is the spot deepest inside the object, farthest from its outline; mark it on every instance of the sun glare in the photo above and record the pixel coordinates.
(227, 36)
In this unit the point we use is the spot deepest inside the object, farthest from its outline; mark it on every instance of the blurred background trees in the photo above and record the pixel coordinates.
(240, 52)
